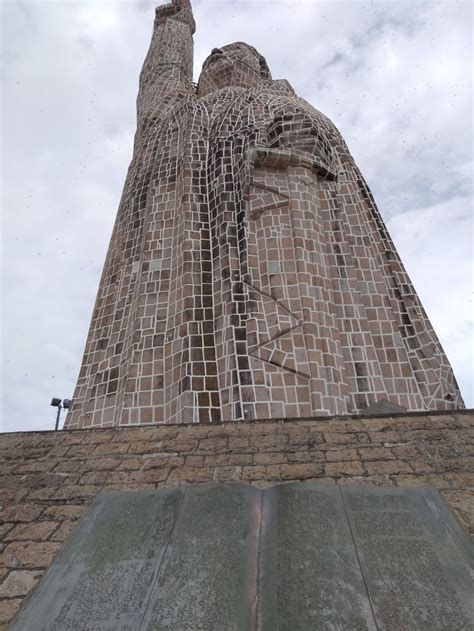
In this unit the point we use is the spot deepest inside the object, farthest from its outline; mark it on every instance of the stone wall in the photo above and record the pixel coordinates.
(48, 479)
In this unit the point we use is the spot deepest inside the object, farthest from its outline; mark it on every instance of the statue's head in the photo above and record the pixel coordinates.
(238, 65)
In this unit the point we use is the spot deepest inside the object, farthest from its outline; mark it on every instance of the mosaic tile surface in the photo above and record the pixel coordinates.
(250, 274)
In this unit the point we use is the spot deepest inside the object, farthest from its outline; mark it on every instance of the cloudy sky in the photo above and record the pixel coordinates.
(394, 76)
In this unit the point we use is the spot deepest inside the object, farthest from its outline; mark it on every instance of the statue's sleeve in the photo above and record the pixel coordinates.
(168, 69)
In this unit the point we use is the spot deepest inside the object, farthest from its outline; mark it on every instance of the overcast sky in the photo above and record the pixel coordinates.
(394, 76)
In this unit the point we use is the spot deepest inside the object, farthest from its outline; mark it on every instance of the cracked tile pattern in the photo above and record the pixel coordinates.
(250, 274)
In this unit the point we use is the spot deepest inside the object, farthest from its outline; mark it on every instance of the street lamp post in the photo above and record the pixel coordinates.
(66, 404)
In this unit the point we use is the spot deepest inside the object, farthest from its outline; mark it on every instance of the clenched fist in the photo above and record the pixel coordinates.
(178, 9)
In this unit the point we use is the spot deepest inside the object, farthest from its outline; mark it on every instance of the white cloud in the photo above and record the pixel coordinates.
(436, 245)
(394, 76)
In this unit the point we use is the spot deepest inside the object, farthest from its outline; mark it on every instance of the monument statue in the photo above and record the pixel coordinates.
(250, 274)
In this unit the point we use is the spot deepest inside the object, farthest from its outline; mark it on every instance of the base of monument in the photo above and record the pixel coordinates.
(230, 556)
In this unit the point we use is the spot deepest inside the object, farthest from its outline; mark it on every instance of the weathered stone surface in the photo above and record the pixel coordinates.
(107, 449)
(29, 554)
(8, 608)
(21, 512)
(4, 530)
(376, 453)
(377, 467)
(344, 468)
(64, 511)
(301, 471)
(64, 530)
(19, 583)
(38, 531)
(297, 556)
(339, 438)
(340, 455)
(227, 474)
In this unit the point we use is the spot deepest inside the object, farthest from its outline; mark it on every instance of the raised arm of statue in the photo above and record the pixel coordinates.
(179, 10)
(167, 72)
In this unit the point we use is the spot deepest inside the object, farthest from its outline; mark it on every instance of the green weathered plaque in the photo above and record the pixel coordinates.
(415, 559)
(231, 557)
(311, 575)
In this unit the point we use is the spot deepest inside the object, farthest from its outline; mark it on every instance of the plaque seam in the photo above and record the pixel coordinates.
(147, 601)
(346, 513)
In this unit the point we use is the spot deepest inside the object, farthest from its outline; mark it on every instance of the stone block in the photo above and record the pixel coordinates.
(375, 453)
(190, 475)
(270, 458)
(95, 477)
(100, 464)
(339, 455)
(194, 461)
(64, 511)
(378, 467)
(158, 461)
(212, 446)
(149, 476)
(301, 471)
(238, 443)
(240, 459)
(67, 466)
(8, 608)
(227, 474)
(216, 460)
(296, 457)
(63, 532)
(107, 449)
(28, 554)
(21, 513)
(19, 583)
(4, 530)
(259, 473)
(350, 468)
(131, 464)
(33, 466)
(339, 439)
(36, 531)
